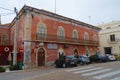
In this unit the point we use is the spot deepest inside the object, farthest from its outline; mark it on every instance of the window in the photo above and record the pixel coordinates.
(95, 38)
(5, 39)
(86, 36)
(41, 31)
(75, 34)
(112, 37)
(60, 33)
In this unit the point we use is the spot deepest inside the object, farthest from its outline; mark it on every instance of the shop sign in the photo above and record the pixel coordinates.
(52, 46)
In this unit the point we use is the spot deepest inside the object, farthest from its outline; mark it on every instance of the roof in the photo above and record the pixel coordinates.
(110, 23)
(4, 25)
(54, 15)
(7, 24)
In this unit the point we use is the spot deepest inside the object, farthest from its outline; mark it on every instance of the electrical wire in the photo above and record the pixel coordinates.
(6, 14)
(7, 9)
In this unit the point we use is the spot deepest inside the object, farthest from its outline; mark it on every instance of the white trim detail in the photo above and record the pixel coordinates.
(6, 49)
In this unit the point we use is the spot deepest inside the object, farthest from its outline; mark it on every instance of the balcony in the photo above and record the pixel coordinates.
(112, 41)
(66, 40)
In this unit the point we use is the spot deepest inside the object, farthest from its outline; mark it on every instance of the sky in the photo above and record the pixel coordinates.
(94, 12)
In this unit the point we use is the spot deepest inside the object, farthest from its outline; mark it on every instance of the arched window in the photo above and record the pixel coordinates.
(75, 35)
(86, 36)
(5, 39)
(95, 38)
(41, 31)
(60, 33)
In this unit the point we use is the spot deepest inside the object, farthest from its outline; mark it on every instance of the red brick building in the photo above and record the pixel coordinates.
(5, 46)
(43, 36)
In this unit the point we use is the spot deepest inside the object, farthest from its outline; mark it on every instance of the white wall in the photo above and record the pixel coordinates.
(104, 36)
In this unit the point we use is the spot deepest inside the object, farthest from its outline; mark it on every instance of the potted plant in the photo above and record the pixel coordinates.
(2, 69)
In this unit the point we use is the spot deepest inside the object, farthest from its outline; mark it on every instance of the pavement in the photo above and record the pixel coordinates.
(105, 71)
(23, 74)
(55, 76)
(96, 71)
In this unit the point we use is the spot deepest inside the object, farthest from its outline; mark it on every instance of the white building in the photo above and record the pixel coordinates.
(110, 38)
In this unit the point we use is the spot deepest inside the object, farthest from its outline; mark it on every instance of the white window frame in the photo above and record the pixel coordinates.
(60, 32)
(41, 31)
(75, 34)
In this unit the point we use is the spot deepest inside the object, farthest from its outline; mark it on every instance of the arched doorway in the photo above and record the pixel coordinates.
(76, 53)
(41, 57)
(60, 53)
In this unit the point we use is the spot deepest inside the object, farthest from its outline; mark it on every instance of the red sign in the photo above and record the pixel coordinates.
(21, 50)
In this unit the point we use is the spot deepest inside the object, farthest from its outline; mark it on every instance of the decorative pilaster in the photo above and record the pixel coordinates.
(27, 39)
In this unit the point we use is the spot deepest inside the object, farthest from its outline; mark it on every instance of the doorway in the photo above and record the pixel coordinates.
(61, 53)
(41, 57)
(107, 50)
(76, 53)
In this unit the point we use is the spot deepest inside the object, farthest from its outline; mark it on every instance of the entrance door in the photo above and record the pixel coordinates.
(76, 53)
(41, 57)
(107, 50)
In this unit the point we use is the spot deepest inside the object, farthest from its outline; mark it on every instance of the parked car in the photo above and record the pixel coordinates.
(117, 57)
(103, 58)
(93, 58)
(66, 61)
(98, 58)
(83, 60)
(111, 57)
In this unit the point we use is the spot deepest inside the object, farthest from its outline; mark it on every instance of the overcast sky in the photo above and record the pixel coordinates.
(89, 11)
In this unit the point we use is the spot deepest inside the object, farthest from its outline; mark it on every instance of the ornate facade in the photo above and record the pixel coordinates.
(43, 36)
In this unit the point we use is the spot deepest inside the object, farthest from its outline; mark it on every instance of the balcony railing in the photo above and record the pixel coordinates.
(57, 39)
(112, 42)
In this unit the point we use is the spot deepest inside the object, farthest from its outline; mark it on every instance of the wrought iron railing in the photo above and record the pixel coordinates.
(57, 39)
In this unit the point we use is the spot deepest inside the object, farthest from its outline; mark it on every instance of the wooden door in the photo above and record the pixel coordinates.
(41, 57)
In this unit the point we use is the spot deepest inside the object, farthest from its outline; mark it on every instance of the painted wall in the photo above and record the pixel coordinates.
(105, 40)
